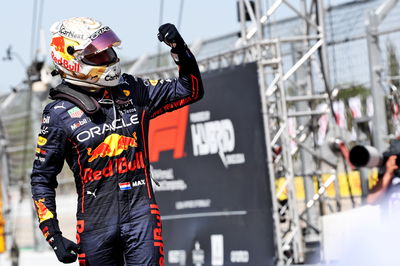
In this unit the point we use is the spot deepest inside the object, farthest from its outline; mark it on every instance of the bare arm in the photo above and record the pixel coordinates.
(381, 187)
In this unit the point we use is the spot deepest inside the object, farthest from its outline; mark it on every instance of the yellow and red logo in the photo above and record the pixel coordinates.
(60, 45)
(112, 145)
(41, 141)
(42, 211)
(41, 151)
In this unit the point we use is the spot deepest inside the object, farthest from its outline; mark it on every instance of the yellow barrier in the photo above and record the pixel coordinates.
(353, 177)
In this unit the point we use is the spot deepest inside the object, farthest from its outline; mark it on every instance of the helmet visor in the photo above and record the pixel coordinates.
(101, 43)
(105, 57)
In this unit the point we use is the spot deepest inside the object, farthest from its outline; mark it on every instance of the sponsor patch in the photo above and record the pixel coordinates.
(75, 112)
(40, 159)
(46, 119)
(41, 141)
(44, 130)
(41, 151)
(80, 123)
(153, 82)
(99, 32)
(114, 125)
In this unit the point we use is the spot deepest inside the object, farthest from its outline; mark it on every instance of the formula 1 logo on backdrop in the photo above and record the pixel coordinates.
(214, 137)
(209, 137)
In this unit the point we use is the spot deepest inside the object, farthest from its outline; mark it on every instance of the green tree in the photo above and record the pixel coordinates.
(393, 65)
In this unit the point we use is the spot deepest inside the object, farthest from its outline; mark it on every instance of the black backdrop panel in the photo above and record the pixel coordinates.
(210, 161)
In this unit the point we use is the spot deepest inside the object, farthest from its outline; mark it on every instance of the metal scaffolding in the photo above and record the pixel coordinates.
(274, 82)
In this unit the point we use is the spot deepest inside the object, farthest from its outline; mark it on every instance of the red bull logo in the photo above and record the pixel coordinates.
(58, 43)
(112, 145)
(42, 211)
(157, 233)
(60, 56)
(72, 66)
(117, 166)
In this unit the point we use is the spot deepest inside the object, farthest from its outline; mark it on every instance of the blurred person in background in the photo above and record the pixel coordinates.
(98, 122)
(386, 192)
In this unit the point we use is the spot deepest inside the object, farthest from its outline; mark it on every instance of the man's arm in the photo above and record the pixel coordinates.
(162, 96)
(381, 187)
(49, 160)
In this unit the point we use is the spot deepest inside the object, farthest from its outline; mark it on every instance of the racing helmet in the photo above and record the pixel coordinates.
(83, 54)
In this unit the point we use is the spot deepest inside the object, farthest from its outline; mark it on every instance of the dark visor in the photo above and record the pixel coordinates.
(105, 57)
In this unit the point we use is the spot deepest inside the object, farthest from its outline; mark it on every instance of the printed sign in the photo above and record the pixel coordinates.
(210, 161)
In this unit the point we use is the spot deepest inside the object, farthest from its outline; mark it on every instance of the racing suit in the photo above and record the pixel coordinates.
(118, 220)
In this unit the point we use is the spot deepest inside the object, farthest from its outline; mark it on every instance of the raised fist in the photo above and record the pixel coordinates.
(169, 34)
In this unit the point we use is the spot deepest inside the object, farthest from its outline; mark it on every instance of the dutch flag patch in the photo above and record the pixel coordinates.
(125, 186)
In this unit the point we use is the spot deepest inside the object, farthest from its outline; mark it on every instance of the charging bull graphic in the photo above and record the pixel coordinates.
(58, 43)
(61, 44)
(112, 145)
(42, 211)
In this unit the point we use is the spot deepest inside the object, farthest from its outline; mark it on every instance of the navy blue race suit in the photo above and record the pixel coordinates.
(118, 220)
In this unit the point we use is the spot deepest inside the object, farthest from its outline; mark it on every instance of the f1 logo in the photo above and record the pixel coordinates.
(168, 132)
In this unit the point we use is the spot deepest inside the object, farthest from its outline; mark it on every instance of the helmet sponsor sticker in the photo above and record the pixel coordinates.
(99, 32)
(111, 77)
(58, 43)
(70, 34)
(70, 65)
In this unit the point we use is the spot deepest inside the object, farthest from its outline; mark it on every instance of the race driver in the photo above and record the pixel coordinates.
(98, 122)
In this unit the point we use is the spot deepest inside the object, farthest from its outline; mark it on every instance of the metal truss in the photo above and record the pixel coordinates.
(275, 77)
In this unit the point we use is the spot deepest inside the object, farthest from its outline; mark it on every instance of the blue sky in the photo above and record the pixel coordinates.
(135, 22)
